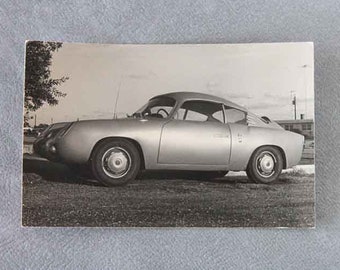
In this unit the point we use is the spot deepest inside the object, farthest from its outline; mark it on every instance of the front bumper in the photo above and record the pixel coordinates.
(45, 146)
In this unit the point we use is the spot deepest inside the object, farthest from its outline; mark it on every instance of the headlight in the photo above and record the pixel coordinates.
(53, 149)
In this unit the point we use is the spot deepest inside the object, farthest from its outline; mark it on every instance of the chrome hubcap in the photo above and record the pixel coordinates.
(265, 164)
(116, 162)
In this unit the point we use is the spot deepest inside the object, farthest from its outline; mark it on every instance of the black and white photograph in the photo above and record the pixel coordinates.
(172, 135)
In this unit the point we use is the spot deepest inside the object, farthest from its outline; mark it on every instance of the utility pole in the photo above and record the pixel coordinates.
(294, 104)
(35, 120)
(304, 67)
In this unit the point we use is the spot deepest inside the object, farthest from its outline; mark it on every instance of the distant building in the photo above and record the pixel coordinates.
(301, 126)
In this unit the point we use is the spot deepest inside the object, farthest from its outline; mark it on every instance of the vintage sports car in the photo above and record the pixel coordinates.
(175, 131)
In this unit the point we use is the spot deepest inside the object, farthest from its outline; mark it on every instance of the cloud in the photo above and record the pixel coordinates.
(272, 96)
(266, 105)
(239, 95)
(141, 76)
(137, 76)
(214, 88)
(100, 114)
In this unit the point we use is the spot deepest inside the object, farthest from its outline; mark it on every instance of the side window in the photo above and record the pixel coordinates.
(179, 115)
(219, 115)
(235, 116)
(195, 116)
(197, 110)
(158, 109)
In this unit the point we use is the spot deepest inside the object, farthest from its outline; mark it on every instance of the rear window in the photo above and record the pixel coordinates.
(235, 116)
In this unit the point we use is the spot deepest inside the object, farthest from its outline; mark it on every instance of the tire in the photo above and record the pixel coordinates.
(265, 165)
(115, 162)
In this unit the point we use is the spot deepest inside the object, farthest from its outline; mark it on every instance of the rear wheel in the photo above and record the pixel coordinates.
(115, 162)
(265, 165)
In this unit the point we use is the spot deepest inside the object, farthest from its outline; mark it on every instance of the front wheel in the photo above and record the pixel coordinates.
(265, 165)
(115, 162)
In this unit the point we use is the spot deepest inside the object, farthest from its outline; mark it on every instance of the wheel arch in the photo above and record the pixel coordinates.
(275, 146)
(138, 146)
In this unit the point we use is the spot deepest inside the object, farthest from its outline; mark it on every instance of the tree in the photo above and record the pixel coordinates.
(40, 88)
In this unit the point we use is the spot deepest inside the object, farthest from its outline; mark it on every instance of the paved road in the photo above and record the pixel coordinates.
(54, 196)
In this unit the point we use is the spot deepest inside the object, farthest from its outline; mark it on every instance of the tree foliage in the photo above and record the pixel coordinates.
(40, 88)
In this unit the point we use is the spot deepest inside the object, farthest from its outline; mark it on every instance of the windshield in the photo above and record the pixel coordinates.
(159, 107)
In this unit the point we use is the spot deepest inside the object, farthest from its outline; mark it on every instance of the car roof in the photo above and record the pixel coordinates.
(184, 96)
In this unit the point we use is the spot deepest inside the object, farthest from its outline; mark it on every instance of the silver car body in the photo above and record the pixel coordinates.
(171, 144)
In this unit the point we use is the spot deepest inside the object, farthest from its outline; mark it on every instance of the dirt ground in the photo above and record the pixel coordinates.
(55, 196)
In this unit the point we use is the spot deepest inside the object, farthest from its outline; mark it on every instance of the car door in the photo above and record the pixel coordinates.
(196, 137)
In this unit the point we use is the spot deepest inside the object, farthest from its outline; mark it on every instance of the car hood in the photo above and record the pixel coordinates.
(118, 120)
(121, 122)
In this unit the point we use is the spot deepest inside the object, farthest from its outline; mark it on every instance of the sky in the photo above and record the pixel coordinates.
(262, 77)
